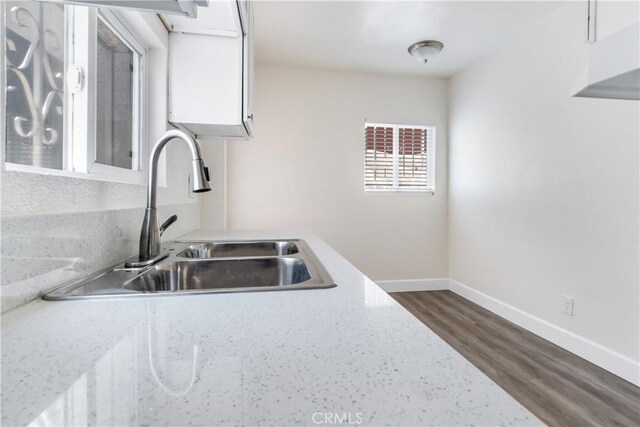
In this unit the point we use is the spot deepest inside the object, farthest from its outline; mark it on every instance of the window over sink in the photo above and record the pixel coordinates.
(75, 81)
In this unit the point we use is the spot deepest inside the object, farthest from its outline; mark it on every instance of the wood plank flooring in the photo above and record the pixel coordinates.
(557, 386)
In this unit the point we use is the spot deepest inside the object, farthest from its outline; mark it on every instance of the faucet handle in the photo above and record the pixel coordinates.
(167, 223)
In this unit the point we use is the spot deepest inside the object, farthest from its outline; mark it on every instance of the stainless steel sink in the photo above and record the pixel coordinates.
(229, 274)
(240, 249)
(207, 267)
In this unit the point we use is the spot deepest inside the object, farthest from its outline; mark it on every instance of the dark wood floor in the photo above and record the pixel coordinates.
(557, 386)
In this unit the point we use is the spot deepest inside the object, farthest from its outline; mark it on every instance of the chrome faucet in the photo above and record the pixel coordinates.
(150, 233)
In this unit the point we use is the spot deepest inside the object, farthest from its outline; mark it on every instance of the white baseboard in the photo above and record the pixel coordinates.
(608, 359)
(414, 285)
(613, 362)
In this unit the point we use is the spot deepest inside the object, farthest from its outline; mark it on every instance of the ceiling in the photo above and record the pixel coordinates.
(373, 36)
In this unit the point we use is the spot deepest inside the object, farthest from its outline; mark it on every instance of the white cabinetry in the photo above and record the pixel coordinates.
(211, 70)
(187, 8)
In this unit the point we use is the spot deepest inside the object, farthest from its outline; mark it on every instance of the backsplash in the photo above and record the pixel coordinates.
(40, 252)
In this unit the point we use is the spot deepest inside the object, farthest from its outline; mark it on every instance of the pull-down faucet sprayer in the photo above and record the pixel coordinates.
(150, 233)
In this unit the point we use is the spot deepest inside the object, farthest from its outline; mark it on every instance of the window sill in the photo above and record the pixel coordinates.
(401, 192)
(134, 178)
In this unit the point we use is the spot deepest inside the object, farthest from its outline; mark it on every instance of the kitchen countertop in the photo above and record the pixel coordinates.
(348, 354)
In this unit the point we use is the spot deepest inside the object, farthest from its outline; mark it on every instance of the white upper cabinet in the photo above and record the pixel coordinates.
(211, 71)
(220, 17)
(179, 7)
(613, 67)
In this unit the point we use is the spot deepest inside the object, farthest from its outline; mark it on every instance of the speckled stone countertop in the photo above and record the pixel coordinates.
(346, 355)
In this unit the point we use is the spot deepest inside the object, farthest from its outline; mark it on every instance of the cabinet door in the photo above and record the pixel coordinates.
(211, 74)
(246, 16)
(205, 83)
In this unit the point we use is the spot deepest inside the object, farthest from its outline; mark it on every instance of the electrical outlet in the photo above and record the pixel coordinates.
(567, 306)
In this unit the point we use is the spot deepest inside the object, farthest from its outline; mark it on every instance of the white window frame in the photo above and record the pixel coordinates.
(82, 138)
(431, 163)
(79, 154)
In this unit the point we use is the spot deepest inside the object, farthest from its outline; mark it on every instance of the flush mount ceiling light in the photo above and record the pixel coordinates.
(425, 50)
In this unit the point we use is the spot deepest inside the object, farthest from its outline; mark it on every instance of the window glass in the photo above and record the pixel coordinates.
(378, 157)
(97, 126)
(35, 62)
(399, 158)
(114, 99)
(412, 158)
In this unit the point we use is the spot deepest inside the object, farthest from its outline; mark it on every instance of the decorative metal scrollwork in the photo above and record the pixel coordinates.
(36, 56)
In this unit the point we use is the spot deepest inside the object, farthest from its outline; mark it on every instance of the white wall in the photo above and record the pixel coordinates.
(544, 187)
(304, 168)
(213, 207)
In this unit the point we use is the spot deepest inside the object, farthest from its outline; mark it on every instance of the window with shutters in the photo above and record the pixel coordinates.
(399, 158)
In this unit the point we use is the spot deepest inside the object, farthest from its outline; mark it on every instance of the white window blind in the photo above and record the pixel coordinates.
(399, 158)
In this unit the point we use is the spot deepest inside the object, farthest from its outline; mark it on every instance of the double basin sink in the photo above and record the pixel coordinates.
(196, 267)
